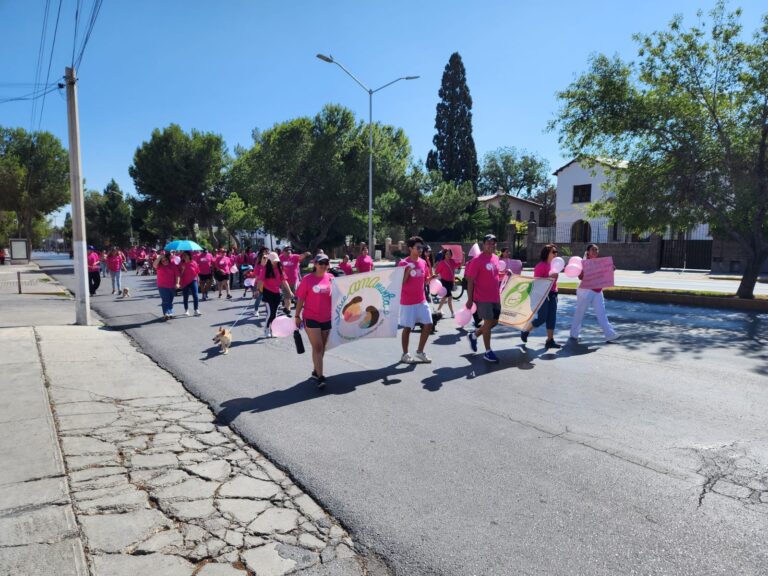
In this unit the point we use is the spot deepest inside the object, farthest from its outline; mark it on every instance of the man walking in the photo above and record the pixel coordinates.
(482, 276)
(414, 308)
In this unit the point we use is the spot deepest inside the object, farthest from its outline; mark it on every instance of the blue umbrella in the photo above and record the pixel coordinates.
(183, 245)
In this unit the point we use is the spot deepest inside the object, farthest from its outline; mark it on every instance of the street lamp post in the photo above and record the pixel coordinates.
(370, 92)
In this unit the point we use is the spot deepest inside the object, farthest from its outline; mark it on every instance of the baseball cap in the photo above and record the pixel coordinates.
(273, 256)
(322, 258)
(488, 237)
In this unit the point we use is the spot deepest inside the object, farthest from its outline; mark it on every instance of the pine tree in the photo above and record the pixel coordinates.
(454, 155)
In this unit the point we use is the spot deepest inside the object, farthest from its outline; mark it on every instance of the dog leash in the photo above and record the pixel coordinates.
(240, 316)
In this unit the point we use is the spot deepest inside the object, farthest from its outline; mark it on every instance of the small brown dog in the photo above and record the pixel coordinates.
(224, 339)
(126, 293)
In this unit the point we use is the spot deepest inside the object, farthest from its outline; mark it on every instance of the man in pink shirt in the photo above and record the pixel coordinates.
(364, 262)
(94, 270)
(482, 276)
(292, 269)
(414, 308)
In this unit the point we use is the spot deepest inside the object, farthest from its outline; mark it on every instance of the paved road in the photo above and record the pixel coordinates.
(648, 456)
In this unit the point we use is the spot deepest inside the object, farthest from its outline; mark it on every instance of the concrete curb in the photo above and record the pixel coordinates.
(721, 302)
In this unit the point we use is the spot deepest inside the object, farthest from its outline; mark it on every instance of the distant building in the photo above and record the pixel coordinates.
(521, 209)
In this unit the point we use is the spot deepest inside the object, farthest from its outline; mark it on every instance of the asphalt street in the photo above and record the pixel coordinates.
(645, 456)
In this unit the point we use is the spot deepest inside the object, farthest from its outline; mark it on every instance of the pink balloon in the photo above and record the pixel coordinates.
(442, 292)
(176, 260)
(283, 326)
(462, 317)
(474, 251)
(474, 308)
(434, 286)
(557, 265)
(574, 267)
(502, 265)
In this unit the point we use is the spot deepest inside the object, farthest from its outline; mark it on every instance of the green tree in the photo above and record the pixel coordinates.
(93, 206)
(178, 175)
(307, 178)
(514, 172)
(114, 217)
(236, 215)
(66, 230)
(692, 120)
(500, 218)
(454, 154)
(34, 175)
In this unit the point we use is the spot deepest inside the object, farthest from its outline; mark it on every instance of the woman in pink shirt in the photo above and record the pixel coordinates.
(94, 268)
(222, 265)
(446, 271)
(314, 300)
(167, 283)
(548, 311)
(364, 263)
(116, 266)
(188, 272)
(271, 281)
(258, 268)
(346, 266)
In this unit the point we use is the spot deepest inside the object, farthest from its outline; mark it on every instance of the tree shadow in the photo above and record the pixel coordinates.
(336, 384)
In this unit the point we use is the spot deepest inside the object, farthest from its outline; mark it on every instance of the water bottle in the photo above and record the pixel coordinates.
(298, 341)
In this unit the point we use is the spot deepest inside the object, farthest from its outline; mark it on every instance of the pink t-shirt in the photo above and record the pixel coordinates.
(446, 269)
(316, 293)
(541, 270)
(415, 278)
(346, 268)
(115, 262)
(204, 262)
(132, 253)
(166, 275)
(291, 266)
(364, 263)
(189, 272)
(271, 284)
(223, 264)
(93, 262)
(484, 271)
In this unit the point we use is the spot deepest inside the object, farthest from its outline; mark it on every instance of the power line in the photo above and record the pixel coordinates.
(50, 61)
(78, 6)
(91, 23)
(39, 67)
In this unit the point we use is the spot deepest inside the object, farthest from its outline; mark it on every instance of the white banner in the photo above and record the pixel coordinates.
(521, 298)
(365, 306)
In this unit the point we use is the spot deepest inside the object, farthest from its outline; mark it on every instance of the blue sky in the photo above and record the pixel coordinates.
(228, 66)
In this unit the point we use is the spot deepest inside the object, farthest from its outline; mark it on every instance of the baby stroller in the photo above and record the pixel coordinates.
(146, 269)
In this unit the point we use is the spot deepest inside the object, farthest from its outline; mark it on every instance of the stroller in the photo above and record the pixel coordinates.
(146, 269)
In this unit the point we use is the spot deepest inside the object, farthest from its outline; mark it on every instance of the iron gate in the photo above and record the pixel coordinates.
(692, 254)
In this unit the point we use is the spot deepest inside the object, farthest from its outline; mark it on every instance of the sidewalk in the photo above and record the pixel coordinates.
(111, 468)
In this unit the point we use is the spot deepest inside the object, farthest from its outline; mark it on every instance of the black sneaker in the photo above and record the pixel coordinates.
(229, 296)
(320, 382)
(314, 375)
(551, 344)
(524, 336)
(287, 313)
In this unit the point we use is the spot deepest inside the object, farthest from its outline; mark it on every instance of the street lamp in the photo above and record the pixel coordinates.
(331, 60)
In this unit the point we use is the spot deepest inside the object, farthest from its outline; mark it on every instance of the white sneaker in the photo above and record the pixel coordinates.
(422, 357)
(186, 312)
(198, 313)
(612, 338)
(267, 333)
(406, 359)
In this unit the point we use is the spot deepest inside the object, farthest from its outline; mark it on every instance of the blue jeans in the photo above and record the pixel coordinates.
(548, 312)
(190, 288)
(166, 300)
(257, 302)
(117, 283)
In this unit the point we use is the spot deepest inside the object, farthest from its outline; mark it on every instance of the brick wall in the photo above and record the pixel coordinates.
(728, 258)
(626, 255)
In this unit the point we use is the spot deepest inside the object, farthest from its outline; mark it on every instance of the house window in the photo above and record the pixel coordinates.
(519, 216)
(582, 193)
(531, 219)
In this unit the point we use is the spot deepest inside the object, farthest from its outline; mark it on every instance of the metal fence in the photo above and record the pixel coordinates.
(604, 232)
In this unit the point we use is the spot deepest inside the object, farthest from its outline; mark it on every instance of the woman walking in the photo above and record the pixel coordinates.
(446, 271)
(271, 281)
(258, 268)
(548, 311)
(586, 297)
(222, 265)
(188, 273)
(314, 306)
(346, 266)
(116, 266)
(167, 283)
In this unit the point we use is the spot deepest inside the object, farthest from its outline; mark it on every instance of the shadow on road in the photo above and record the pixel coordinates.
(306, 390)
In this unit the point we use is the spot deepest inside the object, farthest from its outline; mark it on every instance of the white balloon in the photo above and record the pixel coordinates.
(474, 251)
(557, 265)
(502, 265)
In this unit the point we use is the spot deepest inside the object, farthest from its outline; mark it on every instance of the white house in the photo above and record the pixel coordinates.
(577, 187)
(521, 209)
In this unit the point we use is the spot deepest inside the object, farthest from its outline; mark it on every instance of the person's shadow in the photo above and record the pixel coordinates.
(307, 390)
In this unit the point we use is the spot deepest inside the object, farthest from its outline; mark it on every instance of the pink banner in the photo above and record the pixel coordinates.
(598, 273)
(458, 253)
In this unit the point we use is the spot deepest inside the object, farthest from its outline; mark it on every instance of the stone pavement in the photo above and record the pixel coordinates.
(111, 468)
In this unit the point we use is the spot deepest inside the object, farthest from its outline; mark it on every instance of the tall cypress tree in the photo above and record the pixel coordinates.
(454, 154)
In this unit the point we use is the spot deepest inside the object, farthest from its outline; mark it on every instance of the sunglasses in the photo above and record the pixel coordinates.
(322, 264)
(555, 252)
(419, 247)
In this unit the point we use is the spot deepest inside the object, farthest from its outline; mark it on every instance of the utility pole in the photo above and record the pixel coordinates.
(82, 294)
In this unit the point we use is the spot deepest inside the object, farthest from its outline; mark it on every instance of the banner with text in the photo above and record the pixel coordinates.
(598, 273)
(365, 306)
(521, 298)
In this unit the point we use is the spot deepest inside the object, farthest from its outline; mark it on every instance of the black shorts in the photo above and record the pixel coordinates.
(447, 284)
(205, 277)
(315, 324)
(488, 310)
(220, 276)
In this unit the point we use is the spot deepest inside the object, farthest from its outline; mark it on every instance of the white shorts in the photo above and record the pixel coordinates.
(412, 314)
